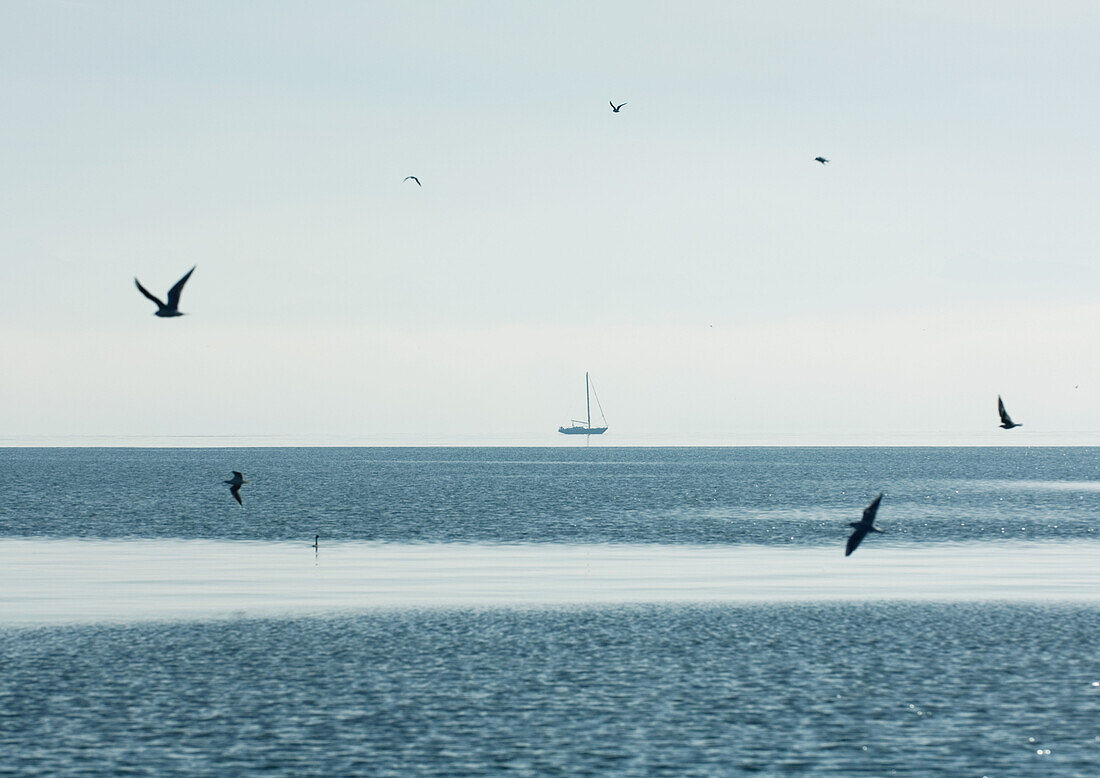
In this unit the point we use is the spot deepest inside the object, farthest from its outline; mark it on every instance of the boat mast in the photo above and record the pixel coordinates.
(587, 401)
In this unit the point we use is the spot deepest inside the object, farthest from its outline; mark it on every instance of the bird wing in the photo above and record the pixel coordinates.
(175, 291)
(854, 540)
(611, 104)
(148, 294)
(235, 490)
(870, 511)
(238, 473)
(1005, 418)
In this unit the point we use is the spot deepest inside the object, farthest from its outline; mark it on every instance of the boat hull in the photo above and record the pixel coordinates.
(582, 430)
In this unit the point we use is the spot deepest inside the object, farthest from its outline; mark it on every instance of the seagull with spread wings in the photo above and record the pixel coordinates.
(1006, 420)
(414, 178)
(235, 486)
(615, 108)
(173, 306)
(863, 526)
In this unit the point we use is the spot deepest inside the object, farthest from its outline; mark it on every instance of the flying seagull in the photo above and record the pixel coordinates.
(1006, 420)
(172, 308)
(615, 108)
(414, 178)
(822, 160)
(235, 486)
(863, 526)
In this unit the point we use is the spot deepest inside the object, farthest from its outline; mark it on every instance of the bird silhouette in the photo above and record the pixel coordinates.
(1006, 420)
(172, 308)
(235, 486)
(863, 526)
(414, 178)
(822, 160)
(615, 108)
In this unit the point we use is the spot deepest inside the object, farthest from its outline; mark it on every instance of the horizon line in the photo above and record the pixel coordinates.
(1087, 439)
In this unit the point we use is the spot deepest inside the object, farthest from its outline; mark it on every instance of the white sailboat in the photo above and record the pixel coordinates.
(586, 428)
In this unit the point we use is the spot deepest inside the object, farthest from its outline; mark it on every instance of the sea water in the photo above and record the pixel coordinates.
(549, 612)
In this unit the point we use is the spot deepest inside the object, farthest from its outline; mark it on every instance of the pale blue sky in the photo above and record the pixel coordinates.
(948, 252)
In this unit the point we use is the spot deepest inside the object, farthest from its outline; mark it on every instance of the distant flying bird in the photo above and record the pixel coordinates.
(863, 526)
(235, 486)
(172, 308)
(1006, 420)
(414, 178)
(615, 108)
(822, 160)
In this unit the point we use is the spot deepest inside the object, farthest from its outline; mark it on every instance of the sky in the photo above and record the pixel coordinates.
(720, 285)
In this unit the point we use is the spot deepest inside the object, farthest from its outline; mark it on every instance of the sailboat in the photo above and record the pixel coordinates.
(586, 427)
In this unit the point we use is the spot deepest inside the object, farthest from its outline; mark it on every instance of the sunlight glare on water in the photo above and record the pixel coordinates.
(57, 581)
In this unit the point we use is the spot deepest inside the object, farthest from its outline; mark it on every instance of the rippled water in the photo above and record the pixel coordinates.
(579, 495)
(874, 689)
(571, 612)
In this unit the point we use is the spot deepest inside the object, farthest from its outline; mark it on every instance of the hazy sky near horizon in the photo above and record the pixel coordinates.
(718, 282)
